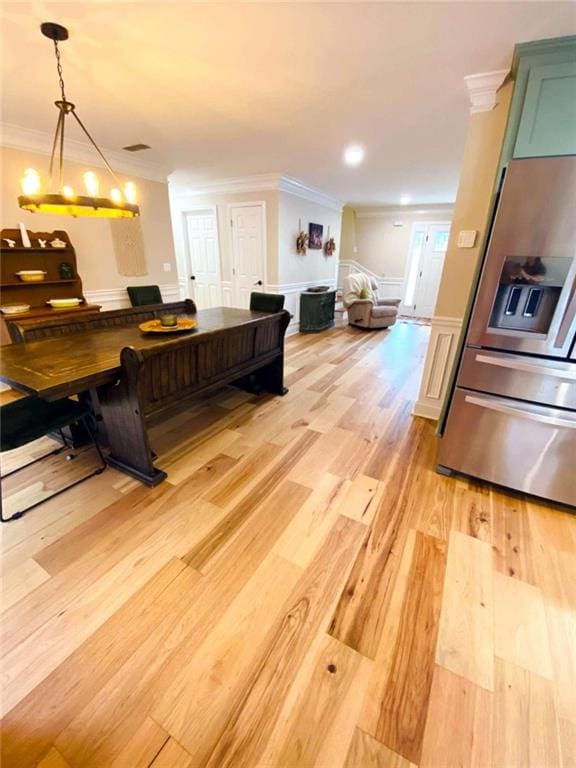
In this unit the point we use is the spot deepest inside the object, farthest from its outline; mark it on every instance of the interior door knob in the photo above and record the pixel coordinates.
(258, 282)
(192, 277)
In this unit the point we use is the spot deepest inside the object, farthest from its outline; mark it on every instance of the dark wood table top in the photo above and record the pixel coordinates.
(66, 365)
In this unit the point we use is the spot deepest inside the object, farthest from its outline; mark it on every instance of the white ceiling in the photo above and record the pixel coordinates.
(226, 90)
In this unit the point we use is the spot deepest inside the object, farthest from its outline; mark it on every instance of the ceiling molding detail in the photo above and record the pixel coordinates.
(384, 213)
(313, 195)
(17, 137)
(482, 89)
(262, 182)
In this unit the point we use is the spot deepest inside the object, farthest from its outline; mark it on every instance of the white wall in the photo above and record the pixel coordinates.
(180, 202)
(296, 272)
(382, 247)
(287, 272)
(92, 238)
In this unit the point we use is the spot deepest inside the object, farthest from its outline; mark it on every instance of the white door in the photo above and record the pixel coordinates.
(248, 237)
(203, 257)
(425, 263)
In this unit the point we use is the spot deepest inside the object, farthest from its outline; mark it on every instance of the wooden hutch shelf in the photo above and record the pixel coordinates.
(36, 294)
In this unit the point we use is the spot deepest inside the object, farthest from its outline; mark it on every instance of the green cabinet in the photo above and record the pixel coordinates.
(542, 121)
(548, 122)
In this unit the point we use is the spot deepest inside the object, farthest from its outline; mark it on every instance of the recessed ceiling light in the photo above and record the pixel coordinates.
(354, 154)
(405, 199)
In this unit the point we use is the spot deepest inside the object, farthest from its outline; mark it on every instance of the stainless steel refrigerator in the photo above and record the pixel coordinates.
(512, 415)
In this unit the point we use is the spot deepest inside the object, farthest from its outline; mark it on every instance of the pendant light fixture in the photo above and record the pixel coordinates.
(60, 197)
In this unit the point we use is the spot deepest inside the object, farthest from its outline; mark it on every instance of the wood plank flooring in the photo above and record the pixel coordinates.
(303, 591)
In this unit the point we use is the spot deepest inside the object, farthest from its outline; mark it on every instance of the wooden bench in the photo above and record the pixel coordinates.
(63, 325)
(249, 355)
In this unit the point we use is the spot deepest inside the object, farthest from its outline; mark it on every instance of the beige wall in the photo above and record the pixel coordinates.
(382, 247)
(315, 266)
(473, 204)
(348, 234)
(92, 238)
(180, 203)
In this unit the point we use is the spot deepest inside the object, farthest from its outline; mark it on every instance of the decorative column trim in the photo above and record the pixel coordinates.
(482, 89)
(440, 357)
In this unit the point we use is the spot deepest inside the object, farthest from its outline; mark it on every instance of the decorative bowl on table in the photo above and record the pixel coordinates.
(14, 309)
(31, 275)
(182, 325)
(64, 303)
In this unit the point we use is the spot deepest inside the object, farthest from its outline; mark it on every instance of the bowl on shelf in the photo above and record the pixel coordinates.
(64, 303)
(14, 309)
(31, 275)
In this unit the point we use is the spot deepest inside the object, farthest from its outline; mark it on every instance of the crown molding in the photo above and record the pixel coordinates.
(17, 137)
(482, 89)
(294, 187)
(384, 213)
(261, 182)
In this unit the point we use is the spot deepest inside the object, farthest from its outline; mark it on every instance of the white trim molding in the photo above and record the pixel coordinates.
(446, 209)
(482, 89)
(440, 357)
(388, 287)
(292, 292)
(16, 137)
(261, 182)
(117, 298)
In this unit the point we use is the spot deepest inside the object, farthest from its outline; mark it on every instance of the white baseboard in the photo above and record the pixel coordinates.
(117, 298)
(440, 357)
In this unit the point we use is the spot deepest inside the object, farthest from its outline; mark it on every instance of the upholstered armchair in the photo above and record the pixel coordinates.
(365, 310)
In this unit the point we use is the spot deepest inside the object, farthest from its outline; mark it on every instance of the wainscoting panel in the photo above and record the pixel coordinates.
(445, 332)
(117, 298)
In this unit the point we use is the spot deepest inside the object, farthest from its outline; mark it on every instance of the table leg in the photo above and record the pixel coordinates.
(127, 435)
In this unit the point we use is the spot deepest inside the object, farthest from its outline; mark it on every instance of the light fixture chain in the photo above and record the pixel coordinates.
(59, 68)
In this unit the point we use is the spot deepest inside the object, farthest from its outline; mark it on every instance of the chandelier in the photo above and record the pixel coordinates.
(61, 198)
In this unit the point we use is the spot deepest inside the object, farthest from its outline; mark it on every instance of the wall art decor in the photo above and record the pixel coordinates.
(302, 243)
(315, 236)
(330, 246)
(128, 244)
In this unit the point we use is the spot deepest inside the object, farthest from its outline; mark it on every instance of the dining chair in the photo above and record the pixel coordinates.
(140, 295)
(28, 419)
(266, 302)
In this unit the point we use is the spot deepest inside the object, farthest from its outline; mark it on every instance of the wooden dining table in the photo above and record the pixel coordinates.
(129, 375)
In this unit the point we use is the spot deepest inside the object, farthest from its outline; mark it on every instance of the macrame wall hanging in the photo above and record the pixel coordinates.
(128, 244)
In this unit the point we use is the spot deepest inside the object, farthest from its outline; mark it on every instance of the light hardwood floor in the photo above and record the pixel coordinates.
(304, 590)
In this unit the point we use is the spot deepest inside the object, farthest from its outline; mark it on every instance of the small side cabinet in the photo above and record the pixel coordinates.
(317, 311)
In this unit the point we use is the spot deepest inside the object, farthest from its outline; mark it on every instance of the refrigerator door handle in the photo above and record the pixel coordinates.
(567, 318)
(525, 411)
(565, 371)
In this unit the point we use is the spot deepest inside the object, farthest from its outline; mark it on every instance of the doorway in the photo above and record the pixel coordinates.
(248, 247)
(428, 245)
(203, 256)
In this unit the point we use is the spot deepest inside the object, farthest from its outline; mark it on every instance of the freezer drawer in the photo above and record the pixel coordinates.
(550, 382)
(527, 447)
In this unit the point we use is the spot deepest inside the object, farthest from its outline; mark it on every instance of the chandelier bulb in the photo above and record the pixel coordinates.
(130, 192)
(30, 182)
(91, 183)
(67, 191)
(116, 195)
